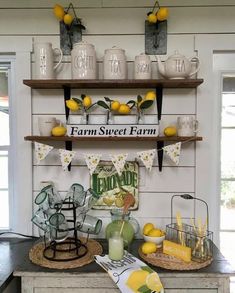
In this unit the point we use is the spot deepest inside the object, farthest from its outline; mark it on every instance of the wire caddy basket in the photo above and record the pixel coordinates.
(60, 221)
(198, 238)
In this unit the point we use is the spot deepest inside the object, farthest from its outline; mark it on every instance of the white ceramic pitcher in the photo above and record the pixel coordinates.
(44, 60)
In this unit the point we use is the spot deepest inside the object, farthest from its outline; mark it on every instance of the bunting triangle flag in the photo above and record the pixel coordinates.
(147, 158)
(41, 150)
(92, 160)
(119, 162)
(173, 152)
(66, 157)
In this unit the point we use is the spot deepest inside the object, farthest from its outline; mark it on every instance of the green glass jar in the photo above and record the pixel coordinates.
(126, 225)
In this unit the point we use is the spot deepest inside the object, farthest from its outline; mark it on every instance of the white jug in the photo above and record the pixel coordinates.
(44, 60)
(142, 66)
(115, 66)
(83, 61)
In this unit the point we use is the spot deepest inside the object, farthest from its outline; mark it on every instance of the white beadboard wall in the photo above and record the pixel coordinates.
(121, 23)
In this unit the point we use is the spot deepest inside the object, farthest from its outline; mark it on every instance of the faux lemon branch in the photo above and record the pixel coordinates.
(160, 15)
(84, 104)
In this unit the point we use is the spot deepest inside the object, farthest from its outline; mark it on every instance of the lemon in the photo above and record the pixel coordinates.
(58, 131)
(108, 201)
(147, 228)
(115, 105)
(72, 105)
(119, 202)
(151, 95)
(155, 233)
(87, 101)
(152, 18)
(137, 279)
(170, 131)
(162, 14)
(153, 282)
(124, 109)
(59, 11)
(68, 19)
(149, 247)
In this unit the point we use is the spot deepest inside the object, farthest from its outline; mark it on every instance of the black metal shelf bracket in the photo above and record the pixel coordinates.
(69, 147)
(67, 96)
(159, 93)
(160, 151)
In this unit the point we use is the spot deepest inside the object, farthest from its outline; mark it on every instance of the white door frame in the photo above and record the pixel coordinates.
(208, 111)
(20, 48)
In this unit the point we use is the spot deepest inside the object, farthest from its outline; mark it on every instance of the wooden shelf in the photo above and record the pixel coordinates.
(107, 84)
(74, 139)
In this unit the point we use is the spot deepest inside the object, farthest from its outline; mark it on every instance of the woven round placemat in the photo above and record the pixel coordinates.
(169, 262)
(36, 256)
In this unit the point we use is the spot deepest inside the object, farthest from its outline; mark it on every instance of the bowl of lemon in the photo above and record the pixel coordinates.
(153, 234)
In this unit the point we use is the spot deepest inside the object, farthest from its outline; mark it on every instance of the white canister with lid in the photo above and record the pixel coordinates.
(115, 66)
(83, 61)
(142, 68)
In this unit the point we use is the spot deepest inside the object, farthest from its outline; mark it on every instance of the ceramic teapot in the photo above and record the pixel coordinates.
(129, 229)
(177, 66)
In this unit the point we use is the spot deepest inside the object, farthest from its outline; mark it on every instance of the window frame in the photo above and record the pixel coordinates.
(18, 50)
(9, 61)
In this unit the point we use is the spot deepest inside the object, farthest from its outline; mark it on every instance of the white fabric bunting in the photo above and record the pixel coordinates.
(119, 162)
(41, 150)
(173, 151)
(147, 158)
(66, 158)
(92, 160)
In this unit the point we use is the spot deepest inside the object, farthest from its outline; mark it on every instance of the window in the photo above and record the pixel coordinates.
(227, 208)
(5, 142)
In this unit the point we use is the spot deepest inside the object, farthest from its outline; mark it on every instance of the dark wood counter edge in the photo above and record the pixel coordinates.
(14, 261)
(104, 84)
(99, 138)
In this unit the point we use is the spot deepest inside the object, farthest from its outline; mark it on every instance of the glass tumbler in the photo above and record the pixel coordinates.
(116, 246)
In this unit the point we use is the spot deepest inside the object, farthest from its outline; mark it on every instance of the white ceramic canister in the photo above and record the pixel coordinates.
(115, 66)
(83, 61)
(142, 68)
(44, 60)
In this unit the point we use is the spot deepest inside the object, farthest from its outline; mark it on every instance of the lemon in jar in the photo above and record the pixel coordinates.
(72, 105)
(87, 101)
(151, 95)
(59, 11)
(68, 19)
(152, 18)
(115, 105)
(124, 109)
(162, 14)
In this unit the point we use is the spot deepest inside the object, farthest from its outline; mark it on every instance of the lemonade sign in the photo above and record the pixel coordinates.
(112, 187)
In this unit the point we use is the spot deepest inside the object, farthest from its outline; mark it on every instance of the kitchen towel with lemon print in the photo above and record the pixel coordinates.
(131, 274)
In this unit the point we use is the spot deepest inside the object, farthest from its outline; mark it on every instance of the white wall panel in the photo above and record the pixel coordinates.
(177, 179)
(175, 101)
(187, 157)
(111, 3)
(96, 23)
(133, 44)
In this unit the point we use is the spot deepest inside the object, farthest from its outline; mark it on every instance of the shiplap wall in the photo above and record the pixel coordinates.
(121, 23)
